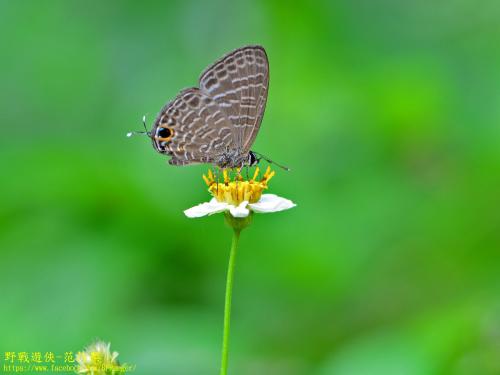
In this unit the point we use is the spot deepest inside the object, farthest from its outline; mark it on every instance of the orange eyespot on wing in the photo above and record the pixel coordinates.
(164, 133)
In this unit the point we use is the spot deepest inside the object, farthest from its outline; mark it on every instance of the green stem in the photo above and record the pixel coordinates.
(227, 304)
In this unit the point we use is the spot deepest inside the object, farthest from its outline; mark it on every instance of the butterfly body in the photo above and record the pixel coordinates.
(236, 158)
(218, 121)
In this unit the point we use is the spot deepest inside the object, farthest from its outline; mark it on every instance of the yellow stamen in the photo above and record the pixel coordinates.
(256, 173)
(238, 189)
(268, 175)
(207, 180)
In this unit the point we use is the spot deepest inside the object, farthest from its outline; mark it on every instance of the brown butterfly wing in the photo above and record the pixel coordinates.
(192, 128)
(239, 83)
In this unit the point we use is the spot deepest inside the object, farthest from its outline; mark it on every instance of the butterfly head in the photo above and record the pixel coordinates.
(253, 159)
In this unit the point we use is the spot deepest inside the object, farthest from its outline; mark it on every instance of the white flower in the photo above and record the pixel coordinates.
(239, 196)
(266, 204)
(271, 203)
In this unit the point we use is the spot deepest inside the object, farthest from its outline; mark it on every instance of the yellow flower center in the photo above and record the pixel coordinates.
(238, 190)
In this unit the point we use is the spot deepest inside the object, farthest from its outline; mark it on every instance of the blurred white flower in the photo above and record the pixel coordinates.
(97, 359)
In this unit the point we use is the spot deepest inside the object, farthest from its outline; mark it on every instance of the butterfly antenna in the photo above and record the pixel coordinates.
(130, 134)
(272, 162)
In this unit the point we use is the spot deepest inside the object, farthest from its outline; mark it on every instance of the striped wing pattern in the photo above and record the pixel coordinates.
(239, 83)
(197, 129)
(223, 114)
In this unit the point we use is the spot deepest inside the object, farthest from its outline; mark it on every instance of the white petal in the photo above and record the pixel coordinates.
(206, 208)
(240, 211)
(271, 203)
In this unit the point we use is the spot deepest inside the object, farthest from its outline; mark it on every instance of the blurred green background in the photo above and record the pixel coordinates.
(388, 112)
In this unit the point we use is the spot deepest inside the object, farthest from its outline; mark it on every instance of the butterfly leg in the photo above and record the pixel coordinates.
(217, 178)
(238, 174)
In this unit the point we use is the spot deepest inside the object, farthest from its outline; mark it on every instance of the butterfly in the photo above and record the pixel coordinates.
(218, 121)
